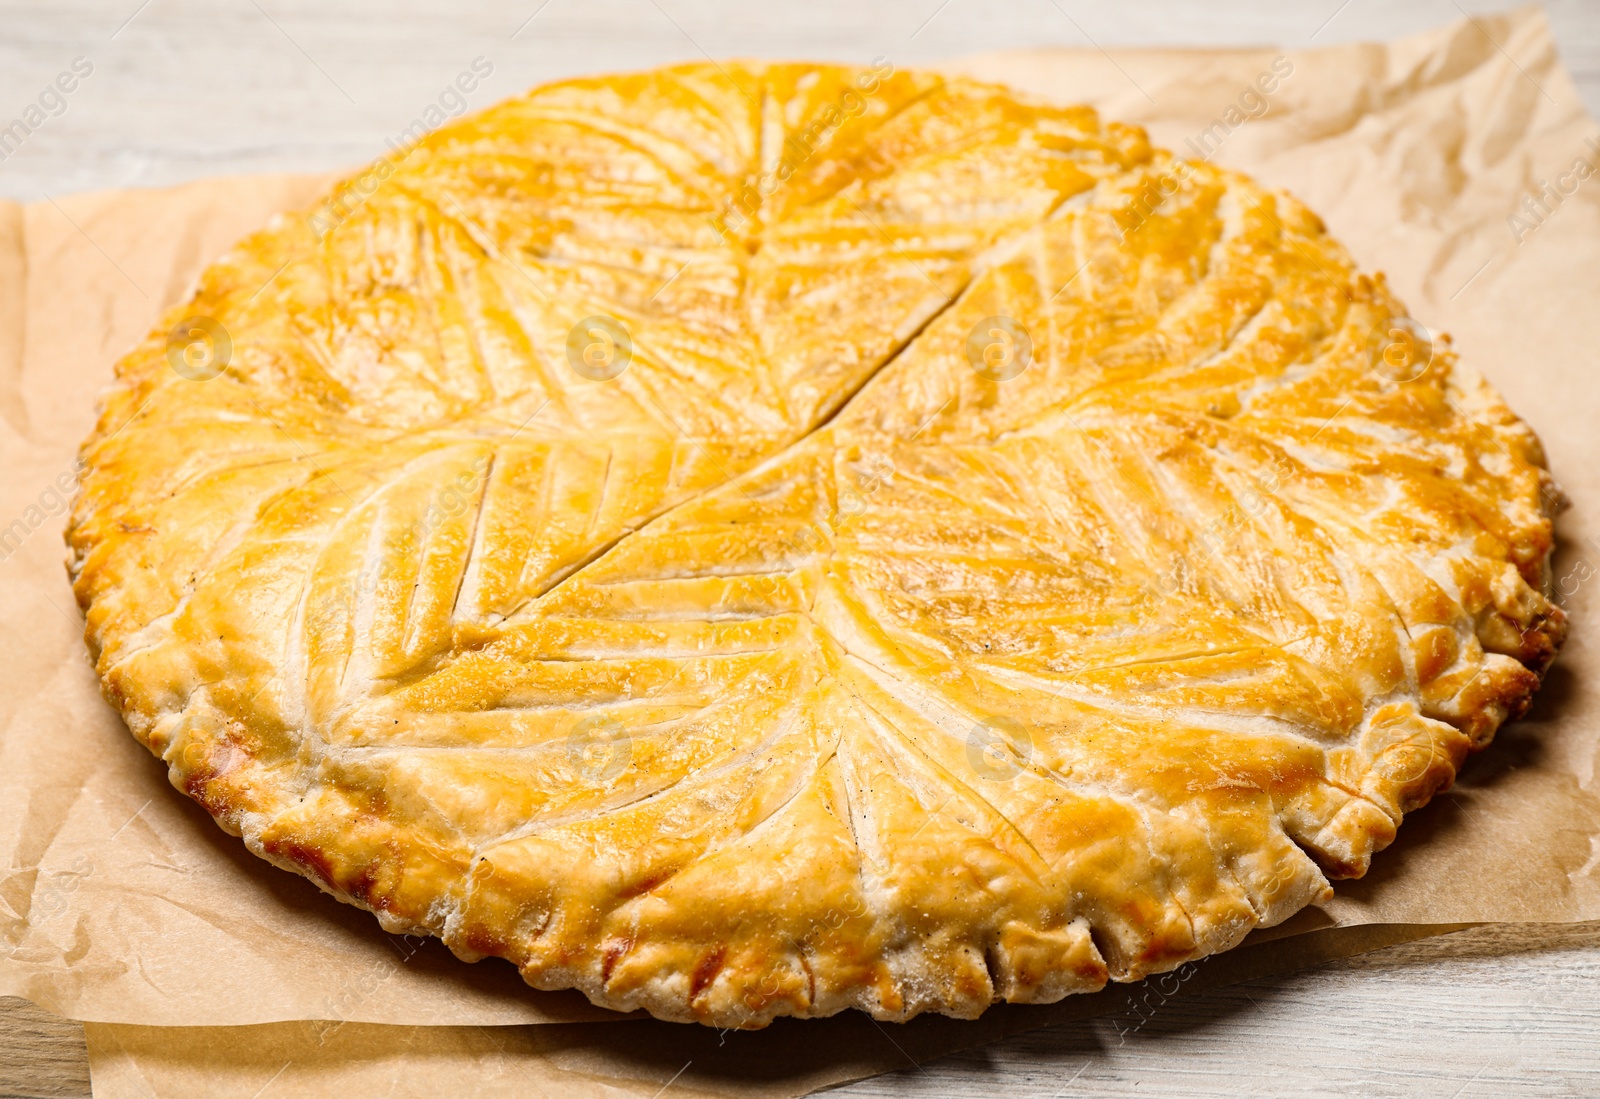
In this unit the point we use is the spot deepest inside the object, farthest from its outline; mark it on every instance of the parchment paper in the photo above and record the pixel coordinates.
(120, 901)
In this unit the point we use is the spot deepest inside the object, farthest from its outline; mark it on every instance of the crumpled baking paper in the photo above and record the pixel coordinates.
(1459, 162)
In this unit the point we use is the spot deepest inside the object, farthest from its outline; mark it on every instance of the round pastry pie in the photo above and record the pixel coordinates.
(746, 541)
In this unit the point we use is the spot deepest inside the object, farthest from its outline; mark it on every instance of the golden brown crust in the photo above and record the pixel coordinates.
(820, 659)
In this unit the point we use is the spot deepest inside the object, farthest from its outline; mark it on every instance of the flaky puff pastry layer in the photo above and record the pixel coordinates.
(1010, 559)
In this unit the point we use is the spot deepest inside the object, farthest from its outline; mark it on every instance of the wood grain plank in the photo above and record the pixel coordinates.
(41, 1056)
(183, 89)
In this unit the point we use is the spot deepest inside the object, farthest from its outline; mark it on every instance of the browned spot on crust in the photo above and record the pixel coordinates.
(614, 952)
(304, 855)
(479, 940)
(705, 971)
(649, 883)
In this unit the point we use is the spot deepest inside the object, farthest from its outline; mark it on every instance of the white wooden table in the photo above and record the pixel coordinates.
(181, 89)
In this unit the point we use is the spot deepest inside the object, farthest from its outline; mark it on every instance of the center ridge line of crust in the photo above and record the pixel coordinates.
(999, 249)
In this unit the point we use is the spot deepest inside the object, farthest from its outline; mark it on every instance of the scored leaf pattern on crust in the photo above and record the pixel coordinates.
(805, 664)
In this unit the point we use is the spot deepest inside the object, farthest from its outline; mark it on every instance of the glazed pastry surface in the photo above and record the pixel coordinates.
(746, 541)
